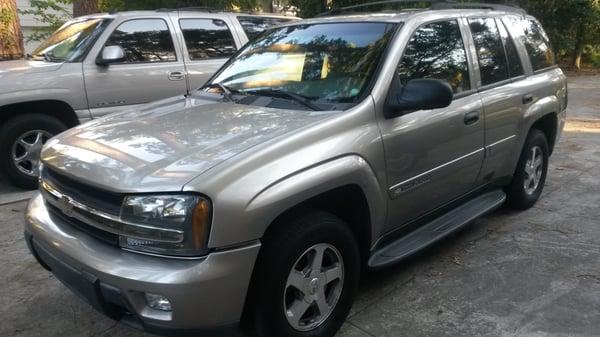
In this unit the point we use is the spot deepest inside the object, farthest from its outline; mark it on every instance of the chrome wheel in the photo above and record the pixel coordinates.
(27, 149)
(534, 168)
(313, 287)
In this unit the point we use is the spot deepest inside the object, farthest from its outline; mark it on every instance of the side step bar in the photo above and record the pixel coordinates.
(437, 229)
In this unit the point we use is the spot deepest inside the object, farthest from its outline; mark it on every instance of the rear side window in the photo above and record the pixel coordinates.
(144, 40)
(515, 67)
(436, 50)
(207, 38)
(536, 42)
(253, 26)
(490, 51)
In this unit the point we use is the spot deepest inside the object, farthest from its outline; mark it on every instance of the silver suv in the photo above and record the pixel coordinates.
(323, 148)
(103, 63)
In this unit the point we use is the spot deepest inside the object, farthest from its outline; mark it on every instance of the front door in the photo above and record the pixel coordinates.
(152, 69)
(433, 156)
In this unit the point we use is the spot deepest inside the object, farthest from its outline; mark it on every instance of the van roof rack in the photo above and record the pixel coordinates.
(434, 5)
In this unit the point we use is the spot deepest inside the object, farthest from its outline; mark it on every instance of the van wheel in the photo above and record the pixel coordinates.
(306, 277)
(528, 182)
(21, 140)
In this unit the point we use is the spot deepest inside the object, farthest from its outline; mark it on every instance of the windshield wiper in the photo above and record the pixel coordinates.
(225, 89)
(286, 94)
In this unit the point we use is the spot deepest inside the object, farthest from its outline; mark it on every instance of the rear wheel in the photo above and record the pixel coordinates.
(307, 275)
(530, 176)
(21, 141)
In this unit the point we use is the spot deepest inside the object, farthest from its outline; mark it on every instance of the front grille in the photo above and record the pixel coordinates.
(103, 200)
(110, 238)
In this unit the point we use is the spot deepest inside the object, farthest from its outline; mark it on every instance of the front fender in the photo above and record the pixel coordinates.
(262, 209)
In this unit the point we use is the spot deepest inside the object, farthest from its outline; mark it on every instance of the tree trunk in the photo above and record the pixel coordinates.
(578, 50)
(11, 37)
(84, 7)
(266, 6)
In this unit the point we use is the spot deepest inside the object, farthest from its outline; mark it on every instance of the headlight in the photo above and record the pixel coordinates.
(186, 214)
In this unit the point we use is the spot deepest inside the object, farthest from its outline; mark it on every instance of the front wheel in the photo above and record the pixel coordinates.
(530, 176)
(21, 141)
(306, 277)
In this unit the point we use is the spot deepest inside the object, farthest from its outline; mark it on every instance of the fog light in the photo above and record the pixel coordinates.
(158, 302)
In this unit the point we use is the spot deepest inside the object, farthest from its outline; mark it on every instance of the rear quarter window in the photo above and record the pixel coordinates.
(536, 42)
(253, 26)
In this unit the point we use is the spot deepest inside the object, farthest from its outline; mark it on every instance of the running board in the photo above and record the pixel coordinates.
(437, 229)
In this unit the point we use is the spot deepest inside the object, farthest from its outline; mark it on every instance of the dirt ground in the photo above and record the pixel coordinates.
(532, 273)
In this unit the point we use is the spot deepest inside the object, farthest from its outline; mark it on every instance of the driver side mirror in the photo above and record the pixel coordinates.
(111, 54)
(418, 94)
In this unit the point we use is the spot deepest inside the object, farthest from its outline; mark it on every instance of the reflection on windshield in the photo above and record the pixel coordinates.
(330, 62)
(69, 42)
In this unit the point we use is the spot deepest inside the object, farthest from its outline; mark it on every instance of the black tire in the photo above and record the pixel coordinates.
(280, 252)
(10, 132)
(517, 196)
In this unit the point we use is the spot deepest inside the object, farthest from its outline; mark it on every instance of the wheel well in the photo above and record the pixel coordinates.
(548, 125)
(57, 109)
(348, 203)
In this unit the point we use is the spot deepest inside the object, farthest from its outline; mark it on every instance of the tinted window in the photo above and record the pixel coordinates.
(144, 40)
(207, 38)
(253, 26)
(490, 51)
(515, 67)
(536, 42)
(436, 50)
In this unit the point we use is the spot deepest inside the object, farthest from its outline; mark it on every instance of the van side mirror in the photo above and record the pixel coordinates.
(418, 94)
(111, 54)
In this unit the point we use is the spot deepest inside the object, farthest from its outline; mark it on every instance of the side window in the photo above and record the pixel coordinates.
(515, 67)
(253, 26)
(207, 38)
(536, 42)
(490, 51)
(436, 50)
(144, 40)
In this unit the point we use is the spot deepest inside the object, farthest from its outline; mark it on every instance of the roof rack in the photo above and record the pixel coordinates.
(434, 4)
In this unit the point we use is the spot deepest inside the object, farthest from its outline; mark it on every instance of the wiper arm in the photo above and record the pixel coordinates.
(286, 94)
(225, 89)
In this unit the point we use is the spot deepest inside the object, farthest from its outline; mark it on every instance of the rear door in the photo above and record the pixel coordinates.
(434, 156)
(208, 42)
(153, 68)
(500, 85)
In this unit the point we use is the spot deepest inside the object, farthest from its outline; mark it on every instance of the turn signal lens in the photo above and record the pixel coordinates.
(201, 224)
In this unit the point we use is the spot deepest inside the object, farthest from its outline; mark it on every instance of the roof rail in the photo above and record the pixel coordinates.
(434, 4)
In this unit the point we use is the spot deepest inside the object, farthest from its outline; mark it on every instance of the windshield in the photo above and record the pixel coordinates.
(327, 62)
(70, 42)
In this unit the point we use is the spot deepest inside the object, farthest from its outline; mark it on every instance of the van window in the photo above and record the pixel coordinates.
(144, 40)
(207, 38)
(436, 50)
(515, 67)
(490, 51)
(254, 25)
(536, 42)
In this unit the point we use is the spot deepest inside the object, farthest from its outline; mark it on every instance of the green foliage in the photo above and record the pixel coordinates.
(51, 12)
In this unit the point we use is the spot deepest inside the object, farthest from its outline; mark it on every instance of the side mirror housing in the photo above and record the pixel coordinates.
(111, 54)
(418, 94)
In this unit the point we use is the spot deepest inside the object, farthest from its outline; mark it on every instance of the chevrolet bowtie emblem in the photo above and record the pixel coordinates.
(65, 205)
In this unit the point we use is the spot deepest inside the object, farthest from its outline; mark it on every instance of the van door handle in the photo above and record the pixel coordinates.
(471, 117)
(527, 99)
(176, 76)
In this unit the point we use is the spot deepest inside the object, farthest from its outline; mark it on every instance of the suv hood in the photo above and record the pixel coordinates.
(164, 145)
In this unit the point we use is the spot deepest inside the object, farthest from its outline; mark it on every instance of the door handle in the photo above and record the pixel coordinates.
(471, 117)
(527, 99)
(176, 76)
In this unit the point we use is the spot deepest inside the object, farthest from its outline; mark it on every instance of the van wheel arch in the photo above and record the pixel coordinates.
(56, 109)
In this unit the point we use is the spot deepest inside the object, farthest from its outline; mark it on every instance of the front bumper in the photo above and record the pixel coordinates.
(207, 295)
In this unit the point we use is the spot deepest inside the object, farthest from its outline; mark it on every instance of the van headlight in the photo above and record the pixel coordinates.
(181, 224)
